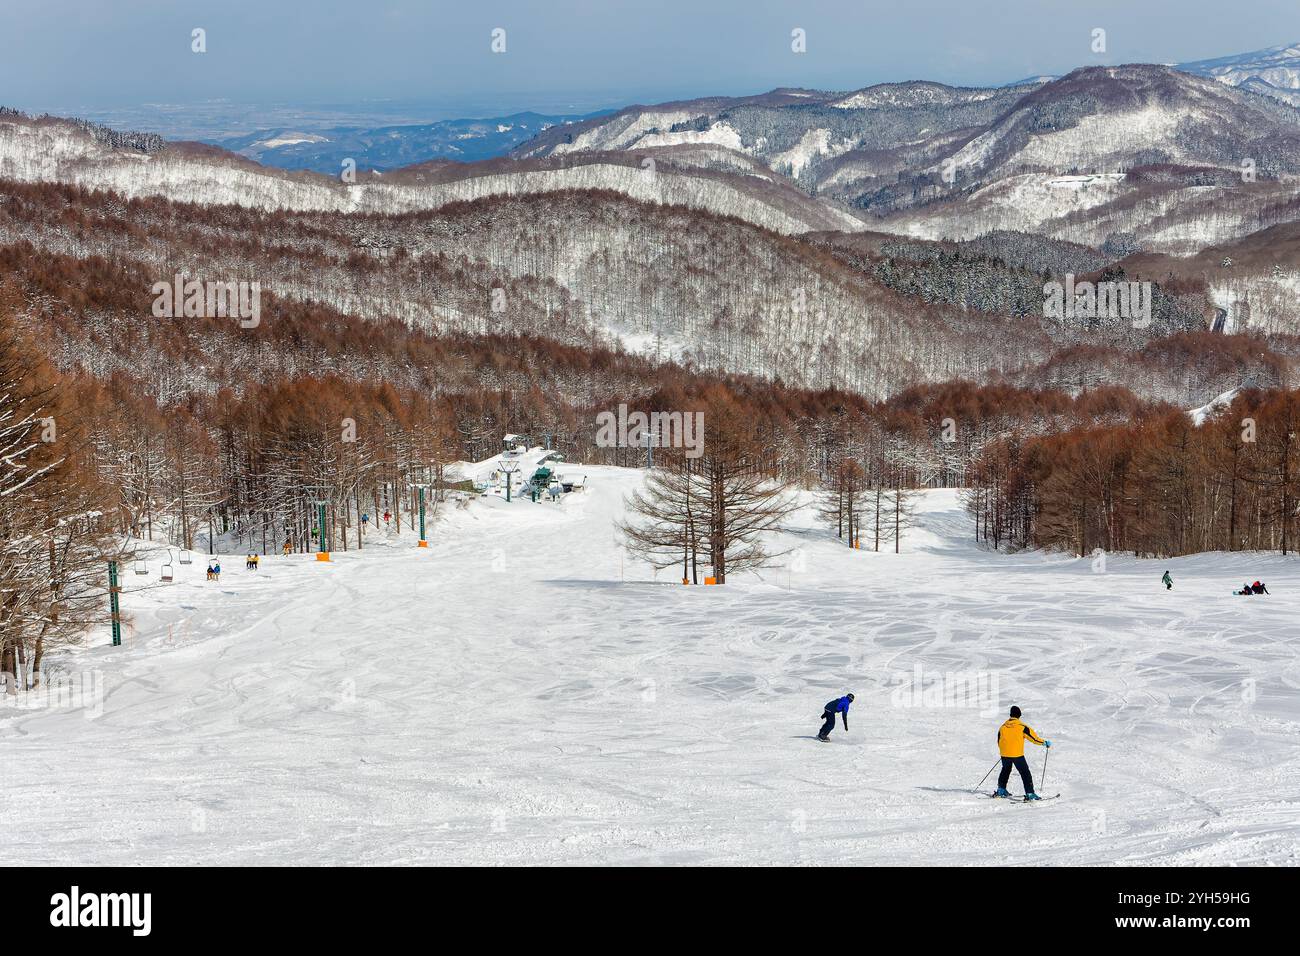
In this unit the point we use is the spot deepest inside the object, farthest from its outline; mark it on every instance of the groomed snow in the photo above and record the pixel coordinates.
(1215, 405)
(813, 144)
(620, 132)
(719, 134)
(520, 692)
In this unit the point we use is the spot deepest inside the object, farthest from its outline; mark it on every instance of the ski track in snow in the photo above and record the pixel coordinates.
(504, 697)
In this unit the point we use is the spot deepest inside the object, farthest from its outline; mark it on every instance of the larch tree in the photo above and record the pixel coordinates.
(52, 542)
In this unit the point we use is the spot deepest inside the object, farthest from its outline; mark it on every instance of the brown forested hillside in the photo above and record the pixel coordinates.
(593, 268)
(1160, 485)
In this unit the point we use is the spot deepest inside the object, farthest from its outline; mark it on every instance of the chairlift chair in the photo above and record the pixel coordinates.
(141, 566)
(167, 568)
(187, 557)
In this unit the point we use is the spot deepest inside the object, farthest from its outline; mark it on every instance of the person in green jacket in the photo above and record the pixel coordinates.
(1167, 581)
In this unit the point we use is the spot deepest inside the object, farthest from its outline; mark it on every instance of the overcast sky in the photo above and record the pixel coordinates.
(563, 54)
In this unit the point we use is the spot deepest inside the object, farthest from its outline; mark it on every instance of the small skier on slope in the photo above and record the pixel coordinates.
(841, 707)
(1167, 581)
(1011, 745)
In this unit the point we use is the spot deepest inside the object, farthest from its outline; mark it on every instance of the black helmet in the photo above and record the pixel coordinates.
(850, 696)
(1015, 711)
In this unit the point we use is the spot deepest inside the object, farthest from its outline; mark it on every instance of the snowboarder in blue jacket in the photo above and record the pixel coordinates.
(841, 707)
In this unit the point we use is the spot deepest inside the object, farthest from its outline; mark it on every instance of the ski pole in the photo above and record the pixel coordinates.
(1046, 752)
(986, 776)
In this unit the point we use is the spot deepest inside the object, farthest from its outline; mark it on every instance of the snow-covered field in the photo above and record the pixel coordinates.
(520, 693)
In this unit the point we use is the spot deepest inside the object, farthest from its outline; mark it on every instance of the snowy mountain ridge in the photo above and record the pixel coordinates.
(1148, 151)
(1278, 67)
(52, 151)
(324, 149)
(940, 162)
(915, 158)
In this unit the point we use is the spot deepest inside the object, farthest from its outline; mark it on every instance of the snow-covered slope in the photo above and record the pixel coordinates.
(1211, 408)
(521, 692)
(1112, 118)
(623, 130)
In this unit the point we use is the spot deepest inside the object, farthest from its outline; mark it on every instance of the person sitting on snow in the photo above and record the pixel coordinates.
(1258, 588)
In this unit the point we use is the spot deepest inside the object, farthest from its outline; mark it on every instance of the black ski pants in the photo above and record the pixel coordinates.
(1021, 764)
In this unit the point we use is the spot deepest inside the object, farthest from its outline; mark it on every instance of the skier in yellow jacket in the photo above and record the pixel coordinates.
(1011, 745)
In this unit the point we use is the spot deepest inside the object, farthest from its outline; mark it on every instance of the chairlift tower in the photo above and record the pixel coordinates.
(320, 502)
(421, 487)
(424, 541)
(114, 589)
(508, 468)
(423, 481)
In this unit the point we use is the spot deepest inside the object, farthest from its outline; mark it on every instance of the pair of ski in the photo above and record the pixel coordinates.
(1022, 799)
